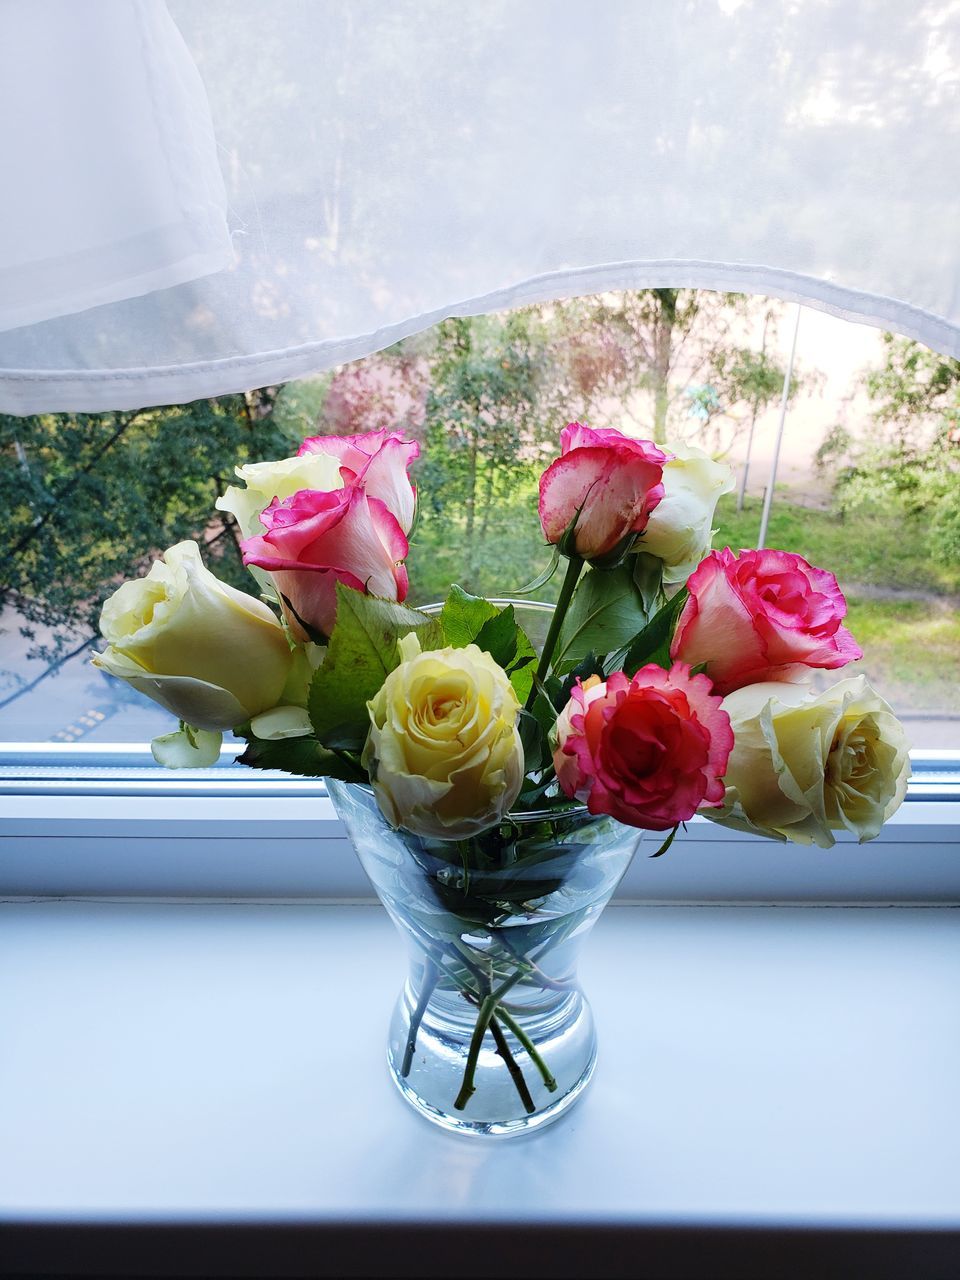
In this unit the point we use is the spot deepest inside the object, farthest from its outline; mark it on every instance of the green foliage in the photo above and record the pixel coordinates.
(303, 756)
(91, 499)
(488, 421)
(463, 616)
(467, 619)
(607, 611)
(652, 645)
(911, 650)
(879, 545)
(911, 464)
(361, 654)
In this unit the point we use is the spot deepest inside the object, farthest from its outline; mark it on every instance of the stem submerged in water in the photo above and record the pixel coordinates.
(487, 1009)
(431, 976)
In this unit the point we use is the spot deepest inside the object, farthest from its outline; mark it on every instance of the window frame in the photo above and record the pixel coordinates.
(86, 819)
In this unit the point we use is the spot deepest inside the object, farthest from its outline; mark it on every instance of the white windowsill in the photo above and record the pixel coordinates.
(171, 1070)
(193, 1063)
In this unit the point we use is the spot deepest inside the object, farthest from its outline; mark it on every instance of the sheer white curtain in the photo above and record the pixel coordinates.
(390, 164)
(112, 187)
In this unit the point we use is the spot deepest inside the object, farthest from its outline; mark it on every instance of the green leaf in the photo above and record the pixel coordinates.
(536, 752)
(303, 756)
(667, 843)
(648, 579)
(361, 654)
(653, 642)
(542, 578)
(547, 703)
(463, 616)
(606, 612)
(509, 645)
(498, 637)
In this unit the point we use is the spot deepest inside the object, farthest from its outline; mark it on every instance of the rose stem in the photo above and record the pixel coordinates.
(513, 1026)
(440, 967)
(504, 1051)
(431, 976)
(544, 979)
(574, 566)
(487, 1010)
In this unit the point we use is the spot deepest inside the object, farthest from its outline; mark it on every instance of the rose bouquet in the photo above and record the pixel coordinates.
(493, 780)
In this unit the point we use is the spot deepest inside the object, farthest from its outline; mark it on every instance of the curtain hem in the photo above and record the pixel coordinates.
(25, 391)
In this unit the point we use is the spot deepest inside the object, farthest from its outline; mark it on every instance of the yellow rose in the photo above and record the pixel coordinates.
(207, 652)
(807, 764)
(680, 528)
(443, 750)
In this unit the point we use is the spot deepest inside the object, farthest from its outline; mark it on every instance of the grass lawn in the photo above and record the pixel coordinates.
(911, 651)
(867, 546)
(911, 646)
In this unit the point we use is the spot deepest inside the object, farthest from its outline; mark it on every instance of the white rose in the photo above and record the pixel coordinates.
(207, 652)
(680, 529)
(443, 751)
(807, 764)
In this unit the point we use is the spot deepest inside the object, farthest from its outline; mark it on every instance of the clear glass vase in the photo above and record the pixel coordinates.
(491, 1034)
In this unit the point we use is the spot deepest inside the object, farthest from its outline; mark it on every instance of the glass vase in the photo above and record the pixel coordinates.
(491, 1034)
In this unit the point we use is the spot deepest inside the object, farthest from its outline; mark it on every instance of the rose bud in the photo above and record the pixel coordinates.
(762, 615)
(315, 540)
(212, 655)
(805, 764)
(650, 750)
(443, 752)
(611, 480)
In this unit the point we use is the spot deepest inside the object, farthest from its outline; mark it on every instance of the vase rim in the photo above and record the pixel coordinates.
(542, 605)
(573, 810)
(527, 815)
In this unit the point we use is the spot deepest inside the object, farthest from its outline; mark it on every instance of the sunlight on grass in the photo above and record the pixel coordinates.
(911, 645)
(911, 651)
(865, 546)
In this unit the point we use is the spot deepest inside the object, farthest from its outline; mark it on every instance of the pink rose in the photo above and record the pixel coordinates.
(315, 540)
(378, 462)
(648, 751)
(613, 481)
(762, 615)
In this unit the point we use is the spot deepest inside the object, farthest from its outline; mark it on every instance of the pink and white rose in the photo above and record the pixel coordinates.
(612, 480)
(650, 750)
(315, 540)
(762, 615)
(378, 462)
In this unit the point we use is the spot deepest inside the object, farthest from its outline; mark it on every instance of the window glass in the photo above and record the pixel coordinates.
(868, 483)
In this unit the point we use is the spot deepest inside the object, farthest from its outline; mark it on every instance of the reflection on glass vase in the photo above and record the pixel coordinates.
(491, 1034)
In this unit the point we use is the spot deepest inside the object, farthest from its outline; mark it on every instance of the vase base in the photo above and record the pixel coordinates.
(514, 1128)
(503, 1104)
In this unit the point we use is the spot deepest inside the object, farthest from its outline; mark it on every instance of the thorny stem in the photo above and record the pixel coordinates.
(532, 1053)
(512, 1065)
(487, 1010)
